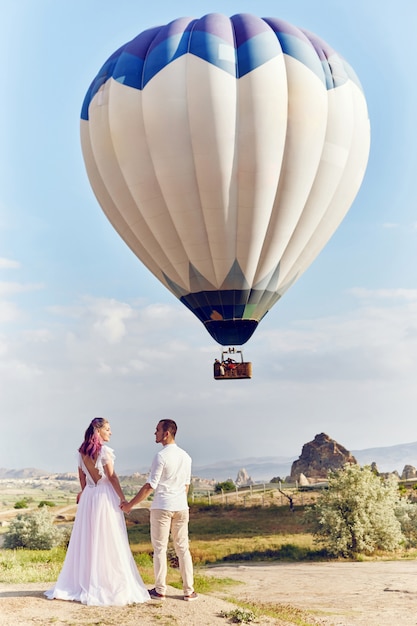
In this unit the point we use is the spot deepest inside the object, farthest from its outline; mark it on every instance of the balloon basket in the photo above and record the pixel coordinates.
(229, 369)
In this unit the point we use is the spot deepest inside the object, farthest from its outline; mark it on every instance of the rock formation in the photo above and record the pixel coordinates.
(409, 471)
(303, 480)
(243, 479)
(319, 456)
(374, 468)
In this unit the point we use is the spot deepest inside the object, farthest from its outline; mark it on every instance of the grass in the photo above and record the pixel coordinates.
(283, 612)
(30, 566)
(218, 534)
(230, 533)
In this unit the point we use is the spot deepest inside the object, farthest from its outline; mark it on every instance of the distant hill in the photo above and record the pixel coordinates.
(28, 472)
(263, 468)
(388, 459)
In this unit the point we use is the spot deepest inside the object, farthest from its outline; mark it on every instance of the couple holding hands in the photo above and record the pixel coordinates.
(99, 568)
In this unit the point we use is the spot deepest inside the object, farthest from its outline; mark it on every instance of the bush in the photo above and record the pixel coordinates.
(227, 485)
(357, 514)
(21, 504)
(34, 531)
(406, 513)
(239, 616)
(45, 503)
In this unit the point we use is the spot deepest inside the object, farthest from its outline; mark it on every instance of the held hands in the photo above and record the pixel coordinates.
(125, 506)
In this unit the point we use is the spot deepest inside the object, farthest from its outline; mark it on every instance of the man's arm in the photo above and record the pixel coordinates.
(141, 495)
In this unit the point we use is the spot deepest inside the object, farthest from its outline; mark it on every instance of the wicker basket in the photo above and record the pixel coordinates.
(240, 370)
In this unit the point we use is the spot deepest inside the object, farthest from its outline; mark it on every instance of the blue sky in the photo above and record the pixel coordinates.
(85, 330)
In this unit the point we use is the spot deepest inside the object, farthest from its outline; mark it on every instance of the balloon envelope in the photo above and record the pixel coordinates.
(225, 152)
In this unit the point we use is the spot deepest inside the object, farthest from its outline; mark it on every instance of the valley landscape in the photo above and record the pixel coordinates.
(260, 469)
(377, 592)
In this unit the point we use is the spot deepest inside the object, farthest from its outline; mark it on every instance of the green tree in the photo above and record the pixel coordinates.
(357, 513)
(406, 513)
(227, 485)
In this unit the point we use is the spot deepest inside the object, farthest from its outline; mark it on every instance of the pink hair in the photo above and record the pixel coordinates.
(92, 443)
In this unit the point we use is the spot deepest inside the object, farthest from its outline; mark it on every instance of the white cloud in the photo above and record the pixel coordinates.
(8, 288)
(6, 264)
(368, 343)
(111, 317)
(20, 371)
(41, 335)
(136, 364)
(384, 294)
(9, 312)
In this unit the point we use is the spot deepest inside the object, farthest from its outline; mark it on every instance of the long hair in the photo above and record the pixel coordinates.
(92, 443)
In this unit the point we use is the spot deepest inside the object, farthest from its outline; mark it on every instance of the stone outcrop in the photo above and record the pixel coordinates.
(319, 456)
(409, 472)
(303, 480)
(374, 468)
(387, 475)
(243, 479)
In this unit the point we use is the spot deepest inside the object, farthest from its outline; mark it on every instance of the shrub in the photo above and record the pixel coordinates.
(21, 504)
(357, 514)
(239, 616)
(227, 485)
(406, 513)
(34, 531)
(45, 503)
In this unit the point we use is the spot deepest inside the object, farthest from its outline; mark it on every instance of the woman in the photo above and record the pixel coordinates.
(99, 568)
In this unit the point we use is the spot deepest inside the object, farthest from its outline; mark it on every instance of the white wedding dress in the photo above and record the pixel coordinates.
(99, 568)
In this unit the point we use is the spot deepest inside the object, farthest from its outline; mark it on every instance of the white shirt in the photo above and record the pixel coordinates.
(170, 473)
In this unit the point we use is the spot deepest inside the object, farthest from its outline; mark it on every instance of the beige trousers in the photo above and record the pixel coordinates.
(176, 522)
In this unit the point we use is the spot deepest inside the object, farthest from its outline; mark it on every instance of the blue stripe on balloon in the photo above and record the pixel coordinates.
(129, 70)
(163, 54)
(129, 67)
(223, 314)
(106, 72)
(231, 332)
(136, 63)
(302, 51)
(255, 52)
(214, 50)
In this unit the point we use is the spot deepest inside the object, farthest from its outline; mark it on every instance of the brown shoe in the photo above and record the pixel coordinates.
(192, 596)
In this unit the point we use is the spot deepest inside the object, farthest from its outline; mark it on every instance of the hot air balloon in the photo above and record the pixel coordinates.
(226, 152)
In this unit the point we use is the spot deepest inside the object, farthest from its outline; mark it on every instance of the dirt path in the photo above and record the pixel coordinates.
(339, 594)
(25, 605)
(333, 594)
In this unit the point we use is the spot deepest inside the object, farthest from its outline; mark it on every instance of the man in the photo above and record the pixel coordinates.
(170, 478)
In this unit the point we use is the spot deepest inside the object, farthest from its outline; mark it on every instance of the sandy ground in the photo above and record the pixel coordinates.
(333, 594)
(339, 594)
(25, 605)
